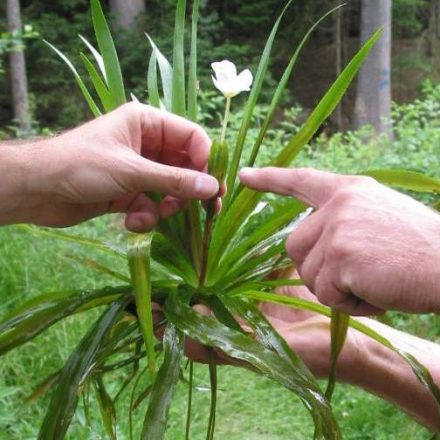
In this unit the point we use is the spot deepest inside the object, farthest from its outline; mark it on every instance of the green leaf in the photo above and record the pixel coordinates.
(96, 266)
(42, 312)
(266, 334)
(166, 74)
(260, 260)
(210, 332)
(281, 88)
(189, 406)
(192, 216)
(77, 239)
(90, 101)
(192, 75)
(139, 264)
(156, 417)
(221, 312)
(97, 56)
(338, 332)
(77, 369)
(107, 48)
(178, 96)
(98, 83)
(44, 386)
(213, 406)
(169, 255)
(250, 106)
(153, 90)
(406, 179)
(326, 106)
(235, 253)
(106, 408)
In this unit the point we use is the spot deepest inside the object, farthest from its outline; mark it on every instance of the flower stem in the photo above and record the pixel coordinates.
(225, 119)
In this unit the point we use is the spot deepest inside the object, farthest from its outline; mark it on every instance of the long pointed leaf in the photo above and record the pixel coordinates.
(77, 369)
(338, 332)
(156, 418)
(98, 83)
(90, 101)
(166, 74)
(139, 264)
(406, 179)
(281, 88)
(192, 75)
(178, 100)
(77, 239)
(153, 90)
(250, 105)
(106, 407)
(97, 56)
(235, 253)
(213, 385)
(109, 55)
(326, 106)
(42, 312)
(189, 406)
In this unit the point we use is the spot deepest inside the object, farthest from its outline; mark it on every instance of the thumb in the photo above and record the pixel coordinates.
(178, 182)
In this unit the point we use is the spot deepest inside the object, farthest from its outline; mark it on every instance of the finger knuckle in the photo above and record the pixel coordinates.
(296, 175)
(178, 183)
(339, 248)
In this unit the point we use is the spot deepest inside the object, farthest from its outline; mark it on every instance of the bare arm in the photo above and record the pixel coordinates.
(104, 166)
(385, 374)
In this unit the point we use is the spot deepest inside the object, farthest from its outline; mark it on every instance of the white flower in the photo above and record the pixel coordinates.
(227, 80)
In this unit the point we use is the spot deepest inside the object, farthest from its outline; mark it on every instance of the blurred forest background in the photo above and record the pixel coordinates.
(232, 29)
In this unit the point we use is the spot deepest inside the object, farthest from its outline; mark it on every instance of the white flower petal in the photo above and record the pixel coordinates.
(227, 81)
(216, 83)
(244, 81)
(224, 70)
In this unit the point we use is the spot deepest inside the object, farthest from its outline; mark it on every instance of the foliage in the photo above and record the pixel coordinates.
(196, 257)
(12, 41)
(223, 29)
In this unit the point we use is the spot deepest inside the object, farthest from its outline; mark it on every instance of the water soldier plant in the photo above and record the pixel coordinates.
(220, 259)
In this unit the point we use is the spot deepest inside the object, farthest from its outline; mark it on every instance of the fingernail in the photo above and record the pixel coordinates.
(206, 186)
(245, 172)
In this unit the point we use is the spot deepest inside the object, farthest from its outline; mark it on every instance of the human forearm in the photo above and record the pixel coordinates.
(385, 374)
(16, 201)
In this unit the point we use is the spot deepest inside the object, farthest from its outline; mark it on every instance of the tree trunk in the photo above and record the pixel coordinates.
(126, 13)
(434, 28)
(17, 67)
(373, 100)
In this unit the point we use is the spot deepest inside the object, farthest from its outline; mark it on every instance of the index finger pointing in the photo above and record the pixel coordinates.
(306, 184)
(166, 131)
